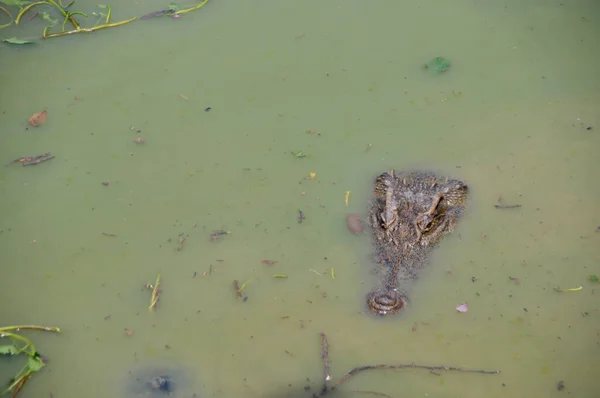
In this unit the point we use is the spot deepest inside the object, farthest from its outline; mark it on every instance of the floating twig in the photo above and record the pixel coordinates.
(376, 393)
(239, 290)
(109, 234)
(37, 160)
(33, 160)
(155, 294)
(434, 369)
(501, 205)
(506, 206)
(216, 235)
(325, 357)
(181, 242)
(280, 276)
(301, 216)
(236, 288)
(573, 289)
(269, 262)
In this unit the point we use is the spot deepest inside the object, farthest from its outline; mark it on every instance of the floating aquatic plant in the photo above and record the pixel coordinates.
(21, 345)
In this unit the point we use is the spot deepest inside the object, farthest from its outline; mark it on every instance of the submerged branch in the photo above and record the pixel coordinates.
(435, 368)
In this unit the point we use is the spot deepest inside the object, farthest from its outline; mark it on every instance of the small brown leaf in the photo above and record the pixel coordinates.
(269, 262)
(38, 118)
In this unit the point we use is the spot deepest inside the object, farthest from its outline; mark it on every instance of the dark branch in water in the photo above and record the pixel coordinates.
(325, 356)
(506, 206)
(433, 369)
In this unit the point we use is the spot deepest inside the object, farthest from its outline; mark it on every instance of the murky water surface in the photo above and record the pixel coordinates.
(223, 97)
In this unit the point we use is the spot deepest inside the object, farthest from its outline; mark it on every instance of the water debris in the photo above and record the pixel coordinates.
(312, 176)
(216, 235)
(109, 234)
(155, 293)
(517, 281)
(462, 307)
(438, 65)
(239, 290)
(593, 278)
(329, 387)
(332, 273)
(280, 276)
(269, 262)
(210, 270)
(301, 216)
(299, 154)
(38, 118)
(573, 289)
(181, 239)
(325, 357)
(33, 160)
(502, 205)
(347, 198)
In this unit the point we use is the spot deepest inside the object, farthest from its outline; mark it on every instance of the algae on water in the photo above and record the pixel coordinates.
(438, 65)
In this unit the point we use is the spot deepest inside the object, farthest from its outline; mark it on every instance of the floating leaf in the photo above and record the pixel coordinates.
(299, 154)
(593, 278)
(14, 40)
(438, 65)
(8, 350)
(46, 17)
(35, 363)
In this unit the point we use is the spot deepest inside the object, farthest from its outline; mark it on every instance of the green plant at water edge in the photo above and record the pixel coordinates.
(68, 16)
(21, 345)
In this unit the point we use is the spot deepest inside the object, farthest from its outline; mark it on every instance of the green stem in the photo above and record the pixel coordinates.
(4, 10)
(200, 5)
(22, 339)
(31, 327)
(50, 3)
(18, 380)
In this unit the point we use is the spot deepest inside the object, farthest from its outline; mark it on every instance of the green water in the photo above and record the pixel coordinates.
(510, 118)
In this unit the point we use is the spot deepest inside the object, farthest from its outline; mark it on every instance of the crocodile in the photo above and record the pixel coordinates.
(409, 215)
